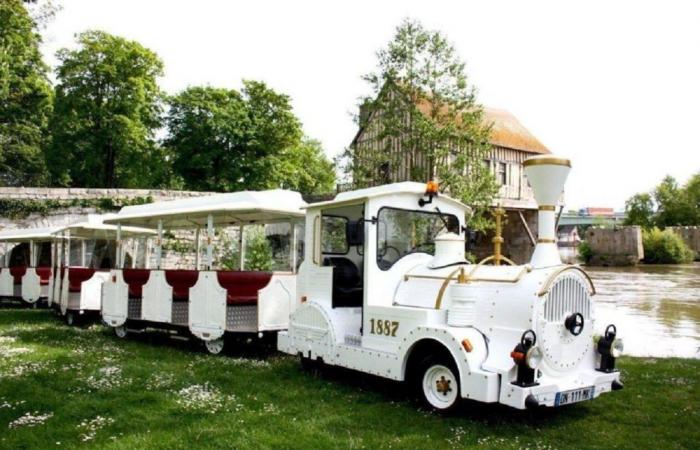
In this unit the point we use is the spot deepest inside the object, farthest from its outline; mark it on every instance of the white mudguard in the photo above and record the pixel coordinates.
(207, 307)
(31, 286)
(276, 301)
(6, 283)
(115, 300)
(91, 292)
(157, 303)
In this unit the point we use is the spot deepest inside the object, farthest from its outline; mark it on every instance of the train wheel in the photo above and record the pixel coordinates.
(215, 346)
(439, 384)
(121, 331)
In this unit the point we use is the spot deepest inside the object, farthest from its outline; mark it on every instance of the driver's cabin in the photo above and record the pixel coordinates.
(363, 242)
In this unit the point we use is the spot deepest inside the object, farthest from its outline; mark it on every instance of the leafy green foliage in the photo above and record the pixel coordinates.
(665, 247)
(424, 105)
(258, 252)
(107, 110)
(225, 140)
(639, 210)
(25, 98)
(668, 205)
(304, 168)
(585, 252)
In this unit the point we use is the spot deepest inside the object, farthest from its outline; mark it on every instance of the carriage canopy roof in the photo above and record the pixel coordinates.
(226, 209)
(95, 228)
(28, 234)
(385, 190)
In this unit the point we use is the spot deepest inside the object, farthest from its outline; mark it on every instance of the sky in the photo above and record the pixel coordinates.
(613, 85)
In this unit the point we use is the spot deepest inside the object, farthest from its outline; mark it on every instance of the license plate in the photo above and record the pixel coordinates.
(573, 396)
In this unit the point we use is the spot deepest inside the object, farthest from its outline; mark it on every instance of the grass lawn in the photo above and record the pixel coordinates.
(64, 387)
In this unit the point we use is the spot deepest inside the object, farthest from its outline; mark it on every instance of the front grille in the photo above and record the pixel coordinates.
(569, 294)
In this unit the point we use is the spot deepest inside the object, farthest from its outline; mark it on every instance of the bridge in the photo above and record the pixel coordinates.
(586, 220)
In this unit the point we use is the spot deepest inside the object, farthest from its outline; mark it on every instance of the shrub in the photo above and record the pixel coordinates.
(665, 247)
(585, 252)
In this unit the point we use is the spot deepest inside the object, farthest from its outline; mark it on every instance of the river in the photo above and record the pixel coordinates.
(656, 308)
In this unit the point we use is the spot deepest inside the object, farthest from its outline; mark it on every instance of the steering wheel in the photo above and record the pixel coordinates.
(574, 323)
(382, 252)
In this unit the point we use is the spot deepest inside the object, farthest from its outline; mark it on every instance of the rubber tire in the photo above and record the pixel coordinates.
(417, 382)
(220, 349)
(116, 332)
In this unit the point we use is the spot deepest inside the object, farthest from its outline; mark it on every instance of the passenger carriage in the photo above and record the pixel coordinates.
(26, 268)
(84, 253)
(207, 298)
(385, 289)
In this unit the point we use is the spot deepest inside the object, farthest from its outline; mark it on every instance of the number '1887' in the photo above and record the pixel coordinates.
(383, 327)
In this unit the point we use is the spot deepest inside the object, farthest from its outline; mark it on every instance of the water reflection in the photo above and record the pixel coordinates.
(656, 308)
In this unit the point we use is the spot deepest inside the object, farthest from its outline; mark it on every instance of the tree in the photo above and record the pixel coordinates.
(639, 210)
(25, 98)
(304, 167)
(673, 205)
(107, 110)
(430, 120)
(225, 140)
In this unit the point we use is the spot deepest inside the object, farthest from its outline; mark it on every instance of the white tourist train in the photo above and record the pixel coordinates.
(26, 263)
(217, 297)
(385, 289)
(83, 254)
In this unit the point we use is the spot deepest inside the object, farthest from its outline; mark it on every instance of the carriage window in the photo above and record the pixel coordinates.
(267, 247)
(401, 232)
(333, 235)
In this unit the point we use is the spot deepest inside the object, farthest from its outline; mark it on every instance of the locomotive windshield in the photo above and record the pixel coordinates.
(402, 232)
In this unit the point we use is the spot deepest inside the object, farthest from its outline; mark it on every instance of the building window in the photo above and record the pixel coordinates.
(501, 173)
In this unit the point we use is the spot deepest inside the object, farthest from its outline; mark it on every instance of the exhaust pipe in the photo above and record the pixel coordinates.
(547, 175)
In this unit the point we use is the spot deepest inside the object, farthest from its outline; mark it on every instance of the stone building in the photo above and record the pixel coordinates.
(511, 144)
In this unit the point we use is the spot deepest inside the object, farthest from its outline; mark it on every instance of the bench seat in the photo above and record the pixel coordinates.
(135, 279)
(77, 275)
(181, 281)
(17, 273)
(44, 274)
(242, 286)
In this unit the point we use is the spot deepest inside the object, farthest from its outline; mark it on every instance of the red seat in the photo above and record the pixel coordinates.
(181, 282)
(136, 278)
(44, 274)
(17, 273)
(242, 286)
(76, 276)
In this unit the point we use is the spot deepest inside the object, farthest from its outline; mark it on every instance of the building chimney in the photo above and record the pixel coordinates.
(547, 175)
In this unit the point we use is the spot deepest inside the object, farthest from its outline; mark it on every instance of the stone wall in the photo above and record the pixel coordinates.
(691, 236)
(70, 214)
(29, 193)
(617, 246)
(64, 216)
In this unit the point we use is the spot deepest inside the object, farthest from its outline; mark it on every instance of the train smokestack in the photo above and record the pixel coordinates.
(547, 175)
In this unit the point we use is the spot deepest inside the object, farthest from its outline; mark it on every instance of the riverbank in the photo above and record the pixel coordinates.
(62, 387)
